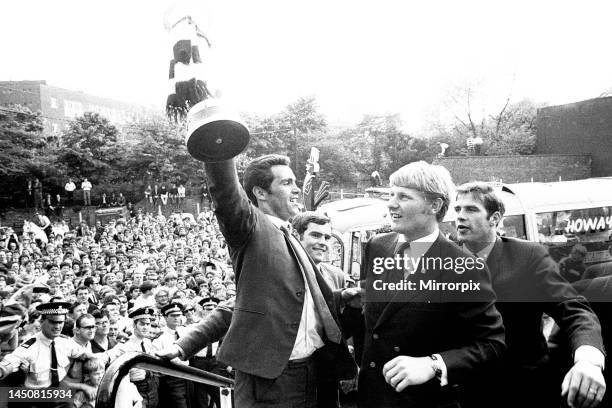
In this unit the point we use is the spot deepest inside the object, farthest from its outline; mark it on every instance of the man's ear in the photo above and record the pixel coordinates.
(259, 193)
(495, 219)
(436, 205)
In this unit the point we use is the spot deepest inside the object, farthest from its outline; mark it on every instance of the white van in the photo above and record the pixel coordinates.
(559, 215)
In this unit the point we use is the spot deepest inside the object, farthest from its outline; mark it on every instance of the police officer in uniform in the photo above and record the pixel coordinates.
(45, 356)
(146, 382)
(205, 360)
(172, 390)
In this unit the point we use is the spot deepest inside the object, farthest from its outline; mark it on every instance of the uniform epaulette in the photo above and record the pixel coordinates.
(26, 344)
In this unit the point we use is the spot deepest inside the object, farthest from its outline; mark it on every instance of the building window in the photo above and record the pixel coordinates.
(53, 103)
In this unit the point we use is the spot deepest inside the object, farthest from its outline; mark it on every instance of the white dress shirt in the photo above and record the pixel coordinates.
(308, 337)
(36, 359)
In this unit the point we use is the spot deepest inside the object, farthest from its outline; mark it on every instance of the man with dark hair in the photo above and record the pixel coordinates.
(89, 283)
(315, 234)
(421, 342)
(101, 342)
(82, 294)
(527, 283)
(283, 305)
(84, 330)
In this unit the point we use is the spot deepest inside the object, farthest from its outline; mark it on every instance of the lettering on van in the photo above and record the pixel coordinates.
(589, 224)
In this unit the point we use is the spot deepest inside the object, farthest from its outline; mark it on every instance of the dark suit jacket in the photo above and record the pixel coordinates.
(598, 292)
(467, 334)
(269, 292)
(334, 274)
(527, 283)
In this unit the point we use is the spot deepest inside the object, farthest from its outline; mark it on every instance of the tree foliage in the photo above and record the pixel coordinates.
(22, 150)
(89, 148)
(153, 150)
(509, 130)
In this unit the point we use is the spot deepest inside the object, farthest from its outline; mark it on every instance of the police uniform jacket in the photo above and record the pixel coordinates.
(35, 355)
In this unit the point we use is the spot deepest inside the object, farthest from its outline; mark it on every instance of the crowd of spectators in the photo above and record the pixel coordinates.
(105, 271)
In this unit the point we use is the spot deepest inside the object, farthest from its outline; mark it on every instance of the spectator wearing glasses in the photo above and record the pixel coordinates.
(84, 331)
(102, 341)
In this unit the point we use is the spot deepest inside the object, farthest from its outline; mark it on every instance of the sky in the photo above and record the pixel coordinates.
(356, 57)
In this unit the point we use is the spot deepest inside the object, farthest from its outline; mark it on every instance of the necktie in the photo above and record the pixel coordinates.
(400, 250)
(332, 331)
(401, 247)
(142, 346)
(209, 353)
(176, 335)
(54, 375)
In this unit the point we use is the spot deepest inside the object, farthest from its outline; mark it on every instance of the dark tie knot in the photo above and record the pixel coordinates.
(401, 247)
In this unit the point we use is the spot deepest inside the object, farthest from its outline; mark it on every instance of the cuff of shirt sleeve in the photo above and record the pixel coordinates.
(590, 354)
(444, 376)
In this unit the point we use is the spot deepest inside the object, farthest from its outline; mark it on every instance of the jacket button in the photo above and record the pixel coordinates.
(294, 325)
(299, 293)
(375, 336)
(372, 364)
(396, 349)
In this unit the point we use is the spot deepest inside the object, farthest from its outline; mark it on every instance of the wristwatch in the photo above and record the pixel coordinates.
(436, 365)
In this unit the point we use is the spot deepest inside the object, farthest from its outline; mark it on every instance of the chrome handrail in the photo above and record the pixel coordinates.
(107, 391)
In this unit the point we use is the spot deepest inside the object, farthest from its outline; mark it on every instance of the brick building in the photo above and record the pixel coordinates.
(518, 169)
(578, 128)
(59, 106)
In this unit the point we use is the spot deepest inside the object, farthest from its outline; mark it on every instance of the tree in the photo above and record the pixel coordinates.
(90, 148)
(21, 142)
(515, 130)
(383, 146)
(511, 129)
(268, 135)
(154, 154)
(302, 118)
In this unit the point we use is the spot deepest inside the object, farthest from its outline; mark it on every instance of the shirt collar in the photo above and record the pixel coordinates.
(423, 243)
(278, 223)
(43, 339)
(427, 238)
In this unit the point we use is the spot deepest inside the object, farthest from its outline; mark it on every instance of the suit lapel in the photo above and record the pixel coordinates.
(323, 285)
(494, 261)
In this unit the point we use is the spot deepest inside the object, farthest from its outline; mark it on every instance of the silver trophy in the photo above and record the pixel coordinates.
(214, 132)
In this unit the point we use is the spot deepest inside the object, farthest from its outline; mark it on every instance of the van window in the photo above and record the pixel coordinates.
(513, 226)
(579, 225)
(358, 241)
(590, 227)
(336, 251)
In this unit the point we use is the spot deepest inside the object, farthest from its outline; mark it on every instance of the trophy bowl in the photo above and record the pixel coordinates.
(215, 133)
